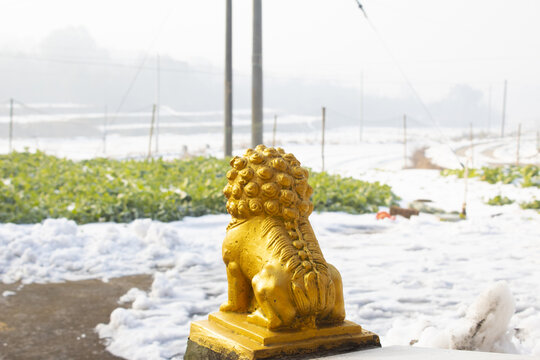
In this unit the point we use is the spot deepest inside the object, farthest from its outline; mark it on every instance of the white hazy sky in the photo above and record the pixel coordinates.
(437, 43)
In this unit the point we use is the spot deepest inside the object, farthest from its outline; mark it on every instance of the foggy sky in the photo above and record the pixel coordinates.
(70, 67)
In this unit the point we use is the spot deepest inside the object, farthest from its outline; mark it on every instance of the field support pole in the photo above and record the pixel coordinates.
(323, 135)
(10, 125)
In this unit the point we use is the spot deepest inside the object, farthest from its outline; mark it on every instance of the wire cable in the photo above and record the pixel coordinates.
(31, 108)
(138, 71)
(408, 82)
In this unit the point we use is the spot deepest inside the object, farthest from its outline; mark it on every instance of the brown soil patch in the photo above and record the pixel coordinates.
(47, 321)
(420, 161)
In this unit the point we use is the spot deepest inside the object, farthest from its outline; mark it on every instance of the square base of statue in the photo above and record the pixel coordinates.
(230, 336)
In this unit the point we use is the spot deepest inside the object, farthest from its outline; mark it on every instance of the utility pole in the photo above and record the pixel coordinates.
(361, 105)
(228, 80)
(10, 125)
(323, 131)
(158, 94)
(257, 77)
(503, 109)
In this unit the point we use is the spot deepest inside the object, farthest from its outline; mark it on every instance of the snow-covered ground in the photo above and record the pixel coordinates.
(420, 281)
(201, 133)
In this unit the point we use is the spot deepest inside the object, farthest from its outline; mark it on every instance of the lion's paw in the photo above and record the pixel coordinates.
(229, 307)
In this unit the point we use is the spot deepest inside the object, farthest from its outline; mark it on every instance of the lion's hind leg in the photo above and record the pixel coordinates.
(270, 287)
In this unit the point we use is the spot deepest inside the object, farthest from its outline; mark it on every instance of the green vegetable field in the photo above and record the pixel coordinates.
(526, 176)
(36, 186)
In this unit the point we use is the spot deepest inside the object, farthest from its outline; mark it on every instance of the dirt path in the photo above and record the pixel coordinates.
(420, 161)
(56, 321)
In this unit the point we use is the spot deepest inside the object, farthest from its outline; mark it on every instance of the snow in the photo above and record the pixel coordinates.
(484, 327)
(407, 280)
(472, 284)
(58, 250)
(381, 147)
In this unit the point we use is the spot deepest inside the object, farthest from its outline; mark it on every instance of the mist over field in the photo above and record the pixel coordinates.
(69, 67)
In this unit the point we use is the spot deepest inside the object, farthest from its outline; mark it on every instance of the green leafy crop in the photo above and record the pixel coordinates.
(335, 193)
(535, 204)
(526, 176)
(36, 186)
(500, 200)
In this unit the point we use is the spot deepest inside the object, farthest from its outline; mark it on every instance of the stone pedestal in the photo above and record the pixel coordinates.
(228, 336)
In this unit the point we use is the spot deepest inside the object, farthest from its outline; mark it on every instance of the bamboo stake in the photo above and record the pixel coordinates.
(105, 131)
(151, 132)
(404, 141)
(274, 132)
(10, 125)
(471, 144)
(323, 131)
(518, 140)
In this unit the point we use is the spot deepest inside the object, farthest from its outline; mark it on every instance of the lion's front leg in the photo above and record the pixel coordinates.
(239, 290)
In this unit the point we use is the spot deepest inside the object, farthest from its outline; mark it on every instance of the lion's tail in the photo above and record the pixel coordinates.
(313, 293)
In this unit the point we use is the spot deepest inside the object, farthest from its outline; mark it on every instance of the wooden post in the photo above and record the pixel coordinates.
(158, 94)
(228, 81)
(466, 179)
(362, 106)
(274, 132)
(10, 125)
(518, 140)
(105, 131)
(489, 111)
(404, 141)
(471, 144)
(323, 133)
(151, 132)
(503, 109)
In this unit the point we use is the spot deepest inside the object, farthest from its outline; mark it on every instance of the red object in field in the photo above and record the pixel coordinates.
(384, 215)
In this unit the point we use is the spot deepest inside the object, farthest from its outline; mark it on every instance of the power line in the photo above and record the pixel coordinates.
(152, 43)
(31, 108)
(105, 64)
(82, 119)
(408, 82)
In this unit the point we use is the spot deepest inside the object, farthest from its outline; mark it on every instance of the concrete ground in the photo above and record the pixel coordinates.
(57, 321)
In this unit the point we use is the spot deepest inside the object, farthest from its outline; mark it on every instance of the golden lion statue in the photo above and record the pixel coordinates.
(276, 271)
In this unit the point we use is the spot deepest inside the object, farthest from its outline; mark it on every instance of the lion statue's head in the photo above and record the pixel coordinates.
(267, 181)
